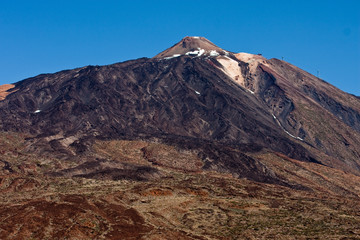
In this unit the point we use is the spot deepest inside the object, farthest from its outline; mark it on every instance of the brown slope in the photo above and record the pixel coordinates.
(324, 117)
(5, 90)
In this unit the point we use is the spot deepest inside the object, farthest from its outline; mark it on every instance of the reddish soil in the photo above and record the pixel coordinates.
(4, 90)
(71, 216)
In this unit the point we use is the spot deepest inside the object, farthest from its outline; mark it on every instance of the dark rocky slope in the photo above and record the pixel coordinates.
(183, 100)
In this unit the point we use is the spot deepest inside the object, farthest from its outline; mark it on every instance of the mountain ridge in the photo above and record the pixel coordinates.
(242, 83)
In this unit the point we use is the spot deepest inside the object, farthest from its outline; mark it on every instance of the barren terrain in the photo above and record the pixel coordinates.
(174, 202)
(195, 143)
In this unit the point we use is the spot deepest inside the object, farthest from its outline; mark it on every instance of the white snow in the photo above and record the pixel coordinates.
(196, 37)
(293, 136)
(214, 53)
(201, 52)
(37, 111)
(173, 56)
(198, 52)
(197, 92)
(299, 138)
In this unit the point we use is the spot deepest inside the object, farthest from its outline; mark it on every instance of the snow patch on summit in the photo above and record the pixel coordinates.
(214, 53)
(173, 56)
(201, 52)
(198, 52)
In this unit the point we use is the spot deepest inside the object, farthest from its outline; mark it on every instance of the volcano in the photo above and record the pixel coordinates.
(193, 90)
(194, 108)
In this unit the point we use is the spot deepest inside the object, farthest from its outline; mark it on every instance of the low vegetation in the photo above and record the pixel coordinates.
(175, 204)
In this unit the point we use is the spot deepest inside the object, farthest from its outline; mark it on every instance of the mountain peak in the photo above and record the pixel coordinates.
(196, 46)
(197, 42)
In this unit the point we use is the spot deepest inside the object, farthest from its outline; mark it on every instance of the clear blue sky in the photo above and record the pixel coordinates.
(48, 36)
